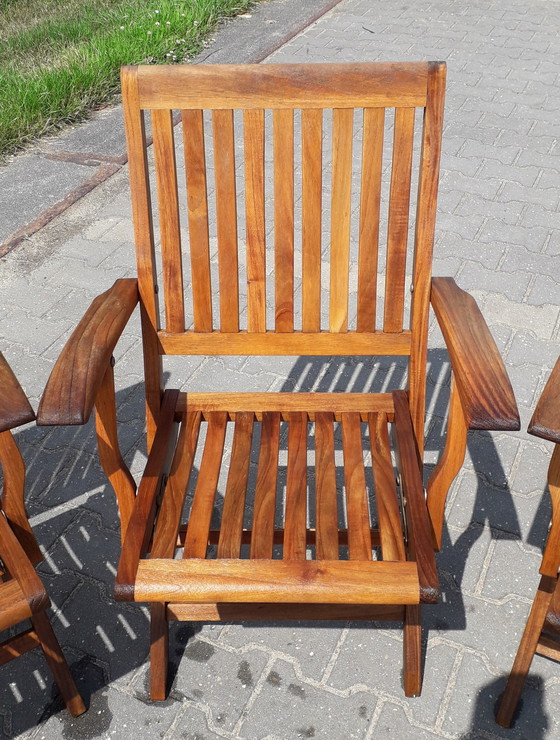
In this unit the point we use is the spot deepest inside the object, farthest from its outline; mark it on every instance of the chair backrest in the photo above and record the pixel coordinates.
(335, 148)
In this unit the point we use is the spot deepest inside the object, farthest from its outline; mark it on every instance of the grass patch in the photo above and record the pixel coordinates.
(59, 59)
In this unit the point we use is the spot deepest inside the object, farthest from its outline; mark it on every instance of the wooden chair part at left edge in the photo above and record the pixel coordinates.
(542, 630)
(22, 594)
(329, 143)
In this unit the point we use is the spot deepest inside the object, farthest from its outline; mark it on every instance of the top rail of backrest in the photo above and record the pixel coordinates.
(233, 86)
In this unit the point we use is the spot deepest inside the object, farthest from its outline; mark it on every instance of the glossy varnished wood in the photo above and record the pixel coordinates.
(15, 409)
(545, 422)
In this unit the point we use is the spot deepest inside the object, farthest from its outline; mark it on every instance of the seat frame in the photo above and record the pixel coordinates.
(481, 396)
(22, 595)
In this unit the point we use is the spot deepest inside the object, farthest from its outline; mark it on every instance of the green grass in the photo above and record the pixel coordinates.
(59, 59)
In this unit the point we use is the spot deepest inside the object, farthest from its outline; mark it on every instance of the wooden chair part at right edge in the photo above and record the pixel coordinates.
(542, 631)
(351, 276)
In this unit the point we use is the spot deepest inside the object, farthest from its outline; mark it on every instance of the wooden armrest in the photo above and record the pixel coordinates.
(76, 377)
(15, 409)
(482, 381)
(21, 569)
(545, 422)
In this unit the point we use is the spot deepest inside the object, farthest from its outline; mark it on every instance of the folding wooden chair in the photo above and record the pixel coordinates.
(22, 595)
(542, 631)
(328, 127)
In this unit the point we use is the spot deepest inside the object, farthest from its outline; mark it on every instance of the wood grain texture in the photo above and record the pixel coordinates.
(397, 230)
(265, 489)
(57, 663)
(18, 645)
(357, 508)
(545, 422)
(482, 381)
(253, 131)
(169, 223)
(278, 612)
(21, 571)
(229, 544)
(195, 167)
(551, 555)
(428, 180)
(139, 530)
(15, 409)
(412, 650)
(169, 514)
(112, 462)
(370, 203)
(78, 373)
(285, 403)
(295, 522)
(200, 515)
(302, 85)
(526, 651)
(448, 465)
(226, 218)
(311, 205)
(283, 151)
(388, 513)
(159, 651)
(326, 490)
(12, 501)
(340, 218)
(296, 343)
(284, 581)
(420, 547)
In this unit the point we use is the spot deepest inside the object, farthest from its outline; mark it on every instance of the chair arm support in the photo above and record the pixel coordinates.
(482, 381)
(15, 409)
(20, 568)
(545, 422)
(77, 375)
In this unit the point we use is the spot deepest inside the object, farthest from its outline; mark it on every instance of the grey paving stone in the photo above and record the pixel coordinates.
(302, 710)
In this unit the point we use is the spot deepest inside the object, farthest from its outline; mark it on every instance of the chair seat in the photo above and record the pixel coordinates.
(304, 509)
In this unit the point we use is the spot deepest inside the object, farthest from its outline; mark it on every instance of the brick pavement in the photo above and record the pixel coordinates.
(498, 234)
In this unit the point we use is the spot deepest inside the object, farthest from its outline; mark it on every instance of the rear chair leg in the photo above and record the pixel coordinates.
(526, 651)
(412, 653)
(57, 663)
(159, 651)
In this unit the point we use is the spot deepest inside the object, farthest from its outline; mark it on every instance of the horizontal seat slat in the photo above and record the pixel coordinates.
(280, 612)
(317, 344)
(283, 581)
(285, 403)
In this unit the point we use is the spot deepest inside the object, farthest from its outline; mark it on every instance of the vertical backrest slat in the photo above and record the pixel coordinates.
(226, 217)
(312, 196)
(370, 203)
(340, 217)
(283, 148)
(423, 244)
(170, 231)
(193, 138)
(253, 125)
(397, 232)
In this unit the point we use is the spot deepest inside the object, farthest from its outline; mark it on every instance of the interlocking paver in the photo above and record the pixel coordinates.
(498, 232)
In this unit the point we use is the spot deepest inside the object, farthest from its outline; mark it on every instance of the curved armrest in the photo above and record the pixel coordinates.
(76, 377)
(15, 409)
(545, 422)
(482, 381)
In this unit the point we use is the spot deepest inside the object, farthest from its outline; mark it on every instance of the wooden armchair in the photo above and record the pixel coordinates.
(22, 595)
(328, 127)
(542, 631)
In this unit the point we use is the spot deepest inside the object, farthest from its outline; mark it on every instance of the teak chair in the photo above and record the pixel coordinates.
(542, 631)
(307, 566)
(22, 595)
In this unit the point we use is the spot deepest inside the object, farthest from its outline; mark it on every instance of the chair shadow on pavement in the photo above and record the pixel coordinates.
(74, 515)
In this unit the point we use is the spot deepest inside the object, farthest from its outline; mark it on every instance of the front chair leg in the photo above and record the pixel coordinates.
(57, 663)
(526, 651)
(159, 651)
(412, 650)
